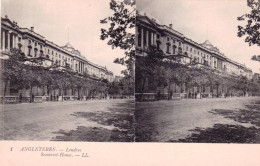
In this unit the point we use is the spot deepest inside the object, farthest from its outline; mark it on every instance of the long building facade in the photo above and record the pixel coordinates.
(172, 43)
(34, 45)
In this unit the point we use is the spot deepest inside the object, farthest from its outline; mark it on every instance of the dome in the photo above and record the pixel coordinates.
(68, 45)
(210, 46)
(207, 43)
(71, 49)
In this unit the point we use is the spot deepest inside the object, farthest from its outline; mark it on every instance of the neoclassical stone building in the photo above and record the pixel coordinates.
(34, 45)
(150, 33)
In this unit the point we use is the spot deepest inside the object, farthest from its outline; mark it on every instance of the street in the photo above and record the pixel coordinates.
(93, 120)
(226, 120)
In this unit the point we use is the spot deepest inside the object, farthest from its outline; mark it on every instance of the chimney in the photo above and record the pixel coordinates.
(32, 29)
(170, 26)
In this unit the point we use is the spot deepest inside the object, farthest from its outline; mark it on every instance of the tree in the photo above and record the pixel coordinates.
(252, 30)
(113, 88)
(12, 68)
(121, 31)
(127, 85)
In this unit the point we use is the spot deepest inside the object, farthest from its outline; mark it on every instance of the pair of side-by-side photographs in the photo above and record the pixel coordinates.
(130, 71)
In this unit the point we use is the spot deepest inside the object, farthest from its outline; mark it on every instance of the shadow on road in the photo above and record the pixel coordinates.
(120, 118)
(225, 133)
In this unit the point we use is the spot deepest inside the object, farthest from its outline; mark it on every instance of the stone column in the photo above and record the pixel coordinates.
(152, 38)
(147, 39)
(3, 46)
(8, 40)
(14, 40)
(79, 67)
(142, 38)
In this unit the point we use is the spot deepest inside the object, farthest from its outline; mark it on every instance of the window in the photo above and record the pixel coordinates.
(168, 39)
(35, 44)
(59, 55)
(48, 51)
(158, 36)
(29, 51)
(190, 49)
(30, 41)
(179, 43)
(187, 48)
(19, 39)
(173, 49)
(168, 48)
(52, 52)
(41, 46)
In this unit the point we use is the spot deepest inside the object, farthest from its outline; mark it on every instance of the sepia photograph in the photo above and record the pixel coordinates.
(130, 82)
(67, 70)
(197, 71)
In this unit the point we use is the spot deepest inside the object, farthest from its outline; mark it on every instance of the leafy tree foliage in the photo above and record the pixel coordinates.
(12, 67)
(27, 74)
(121, 33)
(252, 30)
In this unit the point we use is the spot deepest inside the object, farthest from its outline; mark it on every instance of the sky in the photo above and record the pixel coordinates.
(53, 18)
(215, 20)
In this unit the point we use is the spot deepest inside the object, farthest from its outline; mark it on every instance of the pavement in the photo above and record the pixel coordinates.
(227, 120)
(58, 120)
(177, 120)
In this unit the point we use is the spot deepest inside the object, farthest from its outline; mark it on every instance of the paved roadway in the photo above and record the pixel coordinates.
(164, 121)
(40, 121)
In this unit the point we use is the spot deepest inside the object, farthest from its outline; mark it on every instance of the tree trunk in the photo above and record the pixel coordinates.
(217, 91)
(212, 89)
(30, 93)
(78, 94)
(142, 92)
(5, 88)
(169, 88)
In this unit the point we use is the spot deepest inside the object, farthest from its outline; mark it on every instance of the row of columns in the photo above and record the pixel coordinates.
(8, 40)
(152, 36)
(81, 67)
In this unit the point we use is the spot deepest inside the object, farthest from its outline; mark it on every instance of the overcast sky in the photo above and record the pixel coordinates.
(52, 18)
(215, 20)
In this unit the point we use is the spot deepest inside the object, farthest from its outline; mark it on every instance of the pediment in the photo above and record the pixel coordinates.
(7, 22)
(146, 20)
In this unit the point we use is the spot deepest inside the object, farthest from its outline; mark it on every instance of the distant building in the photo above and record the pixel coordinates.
(256, 77)
(117, 78)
